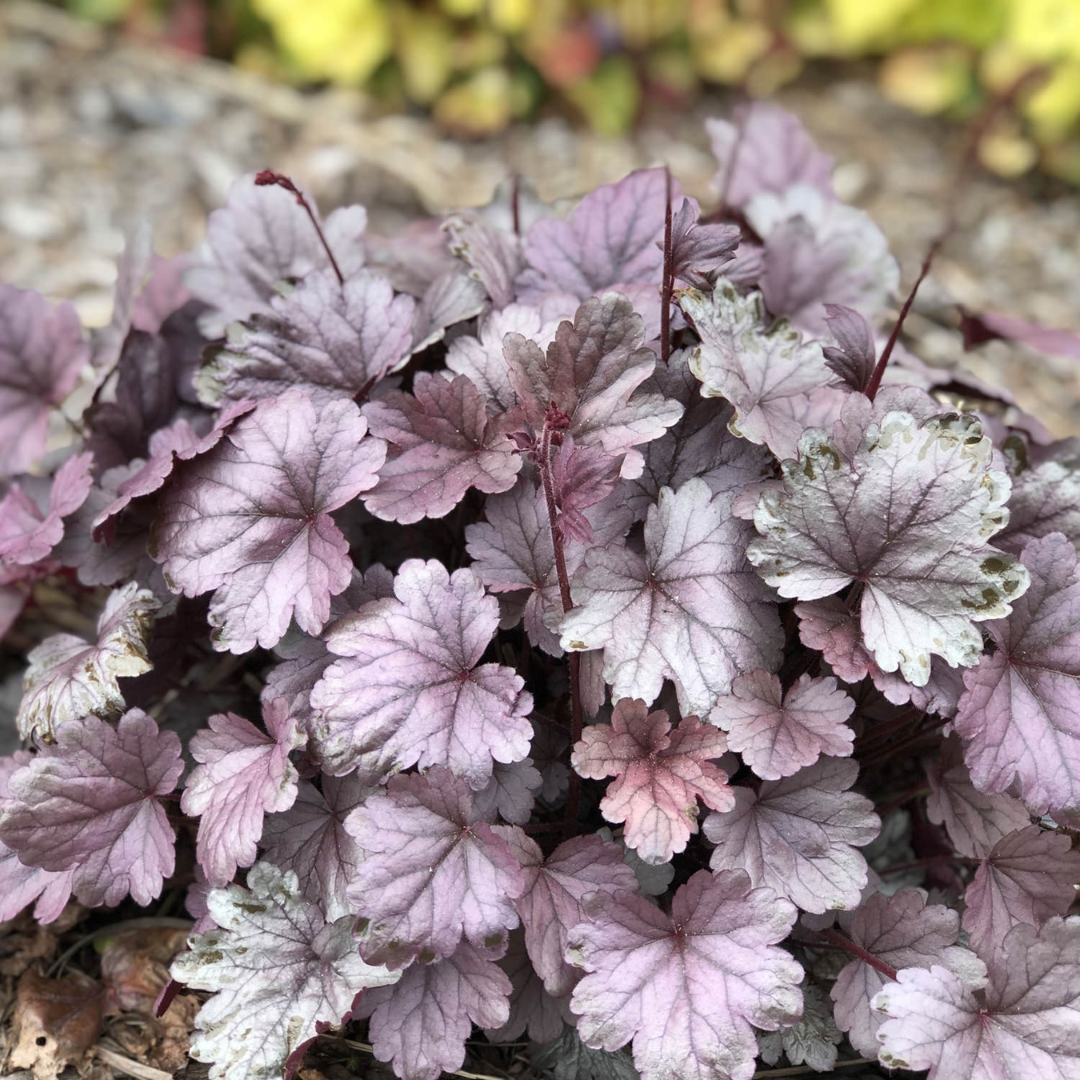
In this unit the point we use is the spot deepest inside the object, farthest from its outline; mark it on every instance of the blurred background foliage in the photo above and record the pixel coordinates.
(1010, 68)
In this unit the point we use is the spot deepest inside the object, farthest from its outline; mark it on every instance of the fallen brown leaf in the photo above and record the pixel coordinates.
(56, 1022)
(135, 966)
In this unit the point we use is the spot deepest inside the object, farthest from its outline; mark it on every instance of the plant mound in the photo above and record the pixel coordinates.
(586, 628)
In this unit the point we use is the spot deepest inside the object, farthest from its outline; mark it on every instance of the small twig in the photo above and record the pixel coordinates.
(515, 197)
(130, 1067)
(268, 178)
(367, 1048)
(668, 284)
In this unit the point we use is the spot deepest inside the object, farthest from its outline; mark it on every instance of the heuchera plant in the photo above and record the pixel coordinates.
(628, 643)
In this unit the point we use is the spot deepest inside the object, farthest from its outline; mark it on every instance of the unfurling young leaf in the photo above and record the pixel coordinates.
(659, 773)
(277, 969)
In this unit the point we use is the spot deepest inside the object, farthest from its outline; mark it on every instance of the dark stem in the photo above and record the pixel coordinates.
(577, 719)
(883, 361)
(668, 285)
(736, 148)
(931, 860)
(515, 194)
(844, 942)
(920, 732)
(268, 178)
(881, 809)
(888, 728)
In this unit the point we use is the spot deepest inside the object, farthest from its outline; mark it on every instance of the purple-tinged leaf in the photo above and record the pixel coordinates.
(686, 987)
(90, 804)
(20, 884)
(278, 969)
(1018, 715)
(550, 905)
(28, 533)
(811, 1041)
(310, 840)
(260, 239)
(68, 678)
(420, 1024)
(853, 358)
(513, 551)
(905, 511)
(819, 252)
(699, 445)
(993, 326)
(414, 258)
(409, 692)
(334, 340)
(778, 734)
(699, 251)
(608, 241)
(42, 352)
(582, 477)
(168, 446)
(799, 836)
(441, 443)
(532, 1008)
(765, 148)
(688, 609)
(1025, 1023)
(974, 821)
(905, 932)
(660, 775)
(493, 255)
(243, 773)
(432, 873)
(1045, 493)
(1027, 877)
(510, 793)
(251, 519)
(592, 373)
(305, 658)
(481, 358)
(449, 300)
(777, 383)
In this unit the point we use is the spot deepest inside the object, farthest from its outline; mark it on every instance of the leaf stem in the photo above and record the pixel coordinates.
(844, 942)
(668, 285)
(268, 178)
(883, 361)
(577, 718)
(931, 860)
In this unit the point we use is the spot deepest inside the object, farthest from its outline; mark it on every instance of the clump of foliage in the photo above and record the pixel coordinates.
(1011, 67)
(588, 628)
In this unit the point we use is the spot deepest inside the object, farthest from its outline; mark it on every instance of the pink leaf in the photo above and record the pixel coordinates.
(442, 442)
(532, 1008)
(1027, 877)
(432, 873)
(41, 354)
(592, 373)
(20, 884)
(510, 794)
(974, 821)
(609, 240)
(90, 804)
(28, 533)
(991, 326)
(492, 254)
(777, 383)
(68, 678)
(853, 359)
(278, 970)
(1024, 1024)
(699, 251)
(409, 692)
(779, 734)
(550, 906)
(334, 340)
(903, 931)
(687, 609)
(260, 238)
(420, 1024)
(660, 775)
(686, 987)
(1045, 493)
(765, 148)
(251, 519)
(1018, 712)
(310, 840)
(904, 507)
(243, 773)
(799, 836)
